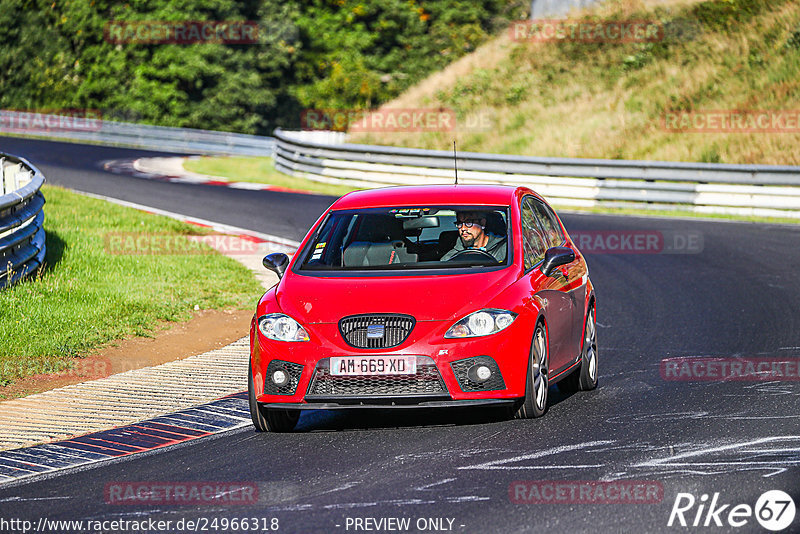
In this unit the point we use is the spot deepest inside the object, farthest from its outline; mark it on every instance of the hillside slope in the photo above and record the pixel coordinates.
(610, 100)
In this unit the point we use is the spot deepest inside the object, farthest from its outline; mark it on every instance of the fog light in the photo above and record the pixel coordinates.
(280, 378)
(479, 373)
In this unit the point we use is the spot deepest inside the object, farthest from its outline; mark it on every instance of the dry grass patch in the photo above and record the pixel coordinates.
(608, 100)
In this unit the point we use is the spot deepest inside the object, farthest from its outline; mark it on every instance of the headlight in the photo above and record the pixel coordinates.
(281, 327)
(481, 323)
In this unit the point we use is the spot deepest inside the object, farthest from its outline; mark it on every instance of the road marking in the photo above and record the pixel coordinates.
(500, 464)
(670, 460)
(428, 486)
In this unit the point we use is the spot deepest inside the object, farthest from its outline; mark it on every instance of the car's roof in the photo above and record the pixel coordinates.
(421, 195)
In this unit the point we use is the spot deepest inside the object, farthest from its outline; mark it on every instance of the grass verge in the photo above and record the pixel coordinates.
(89, 295)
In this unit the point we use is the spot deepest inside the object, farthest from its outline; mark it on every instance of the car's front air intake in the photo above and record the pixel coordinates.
(376, 331)
(426, 381)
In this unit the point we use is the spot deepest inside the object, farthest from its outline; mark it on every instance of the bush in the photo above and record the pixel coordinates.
(321, 54)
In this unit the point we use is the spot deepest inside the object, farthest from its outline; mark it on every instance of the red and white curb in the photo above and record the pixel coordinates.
(273, 243)
(171, 170)
(123, 398)
(91, 408)
(221, 415)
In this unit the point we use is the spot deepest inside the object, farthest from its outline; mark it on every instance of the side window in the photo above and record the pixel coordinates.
(552, 230)
(533, 244)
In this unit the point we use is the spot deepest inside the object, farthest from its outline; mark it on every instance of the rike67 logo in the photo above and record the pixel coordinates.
(774, 510)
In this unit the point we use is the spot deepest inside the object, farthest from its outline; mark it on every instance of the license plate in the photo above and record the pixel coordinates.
(374, 365)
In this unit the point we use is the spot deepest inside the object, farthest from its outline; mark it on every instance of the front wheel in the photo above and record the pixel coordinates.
(269, 419)
(584, 378)
(535, 403)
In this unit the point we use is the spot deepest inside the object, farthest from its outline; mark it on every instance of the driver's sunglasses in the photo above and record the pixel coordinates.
(468, 224)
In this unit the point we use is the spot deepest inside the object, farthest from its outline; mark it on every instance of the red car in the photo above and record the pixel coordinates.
(430, 296)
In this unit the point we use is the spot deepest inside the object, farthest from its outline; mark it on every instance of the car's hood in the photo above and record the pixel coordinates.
(311, 299)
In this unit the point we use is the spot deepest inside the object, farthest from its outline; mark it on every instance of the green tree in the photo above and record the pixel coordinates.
(341, 54)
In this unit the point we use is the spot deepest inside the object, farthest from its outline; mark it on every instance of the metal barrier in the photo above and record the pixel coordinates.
(755, 190)
(161, 138)
(22, 239)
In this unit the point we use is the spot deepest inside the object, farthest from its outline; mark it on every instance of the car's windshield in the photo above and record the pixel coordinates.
(403, 238)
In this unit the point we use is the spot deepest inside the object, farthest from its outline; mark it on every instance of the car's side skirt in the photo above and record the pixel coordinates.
(563, 372)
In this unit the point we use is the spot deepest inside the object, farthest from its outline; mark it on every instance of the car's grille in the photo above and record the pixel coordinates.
(426, 381)
(376, 331)
(461, 367)
(293, 370)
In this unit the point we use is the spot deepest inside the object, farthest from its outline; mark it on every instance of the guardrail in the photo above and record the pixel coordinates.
(22, 239)
(161, 138)
(755, 190)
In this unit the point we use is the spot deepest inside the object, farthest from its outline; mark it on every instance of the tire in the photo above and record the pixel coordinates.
(535, 403)
(268, 419)
(584, 378)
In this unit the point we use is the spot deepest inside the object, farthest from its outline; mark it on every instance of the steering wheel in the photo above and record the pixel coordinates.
(475, 253)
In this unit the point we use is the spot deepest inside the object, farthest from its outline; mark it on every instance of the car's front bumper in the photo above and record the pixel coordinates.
(446, 359)
(401, 406)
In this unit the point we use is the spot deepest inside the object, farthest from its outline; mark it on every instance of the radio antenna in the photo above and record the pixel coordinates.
(455, 161)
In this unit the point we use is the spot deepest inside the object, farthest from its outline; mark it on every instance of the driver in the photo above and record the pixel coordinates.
(472, 231)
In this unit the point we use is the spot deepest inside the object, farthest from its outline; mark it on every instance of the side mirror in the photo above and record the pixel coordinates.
(276, 262)
(555, 257)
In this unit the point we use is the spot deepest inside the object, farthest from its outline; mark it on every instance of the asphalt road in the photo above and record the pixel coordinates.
(738, 297)
(79, 167)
